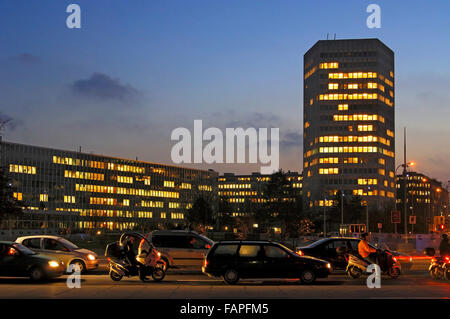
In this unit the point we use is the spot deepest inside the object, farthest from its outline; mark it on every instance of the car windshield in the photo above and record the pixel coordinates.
(316, 243)
(23, 249)
(209, 241)
(68, 244)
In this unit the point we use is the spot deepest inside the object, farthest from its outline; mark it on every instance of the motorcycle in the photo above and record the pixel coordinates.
(120, 266)
(439, 267)
(389, 265)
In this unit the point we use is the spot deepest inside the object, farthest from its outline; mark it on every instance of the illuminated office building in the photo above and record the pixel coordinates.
(245, 194)
(349, 131)
(98, 191)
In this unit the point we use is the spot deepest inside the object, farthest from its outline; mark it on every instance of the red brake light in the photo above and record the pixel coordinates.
(447, 258)
(395, 258)
(208, 246)
(205, 263)
(300, 253)
(109, 259)
(11, 252)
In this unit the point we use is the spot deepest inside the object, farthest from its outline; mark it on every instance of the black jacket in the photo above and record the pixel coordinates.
(444, 247)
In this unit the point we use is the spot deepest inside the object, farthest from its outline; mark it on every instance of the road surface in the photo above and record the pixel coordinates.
(417, 284)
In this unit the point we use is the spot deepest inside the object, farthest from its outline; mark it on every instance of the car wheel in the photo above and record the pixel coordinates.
(231, 276)
(37, 274)
(80, 265)
(115, 276)
(354, 272)
(307, 276)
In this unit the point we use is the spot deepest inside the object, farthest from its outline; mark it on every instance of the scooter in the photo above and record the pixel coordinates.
(357, 266)
(440, 265)
(119, 268)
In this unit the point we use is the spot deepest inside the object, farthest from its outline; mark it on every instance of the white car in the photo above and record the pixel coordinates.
(61, 248)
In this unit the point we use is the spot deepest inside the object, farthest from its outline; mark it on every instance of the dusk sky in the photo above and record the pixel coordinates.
(136, 70)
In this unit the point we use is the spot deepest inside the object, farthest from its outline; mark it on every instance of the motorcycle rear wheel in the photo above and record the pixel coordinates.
(354, 272)
(158, 274)
(115, 276)
(394, 272)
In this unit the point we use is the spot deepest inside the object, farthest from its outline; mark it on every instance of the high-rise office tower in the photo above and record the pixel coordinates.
(348, 109)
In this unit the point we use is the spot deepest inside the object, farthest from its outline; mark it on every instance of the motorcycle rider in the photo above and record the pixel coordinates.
(129, 251)
(367, 252)
(444, 247)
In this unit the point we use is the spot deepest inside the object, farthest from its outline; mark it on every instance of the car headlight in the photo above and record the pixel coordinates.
(91, 257)
(329, 266)
(53, 264)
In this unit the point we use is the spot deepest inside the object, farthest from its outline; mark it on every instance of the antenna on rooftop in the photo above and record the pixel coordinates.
(335, 36)
(327, 36)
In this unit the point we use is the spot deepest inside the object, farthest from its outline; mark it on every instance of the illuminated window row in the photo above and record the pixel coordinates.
(176, 215)
(97, 164)
(352, 86)
(23, 169)
(367, 181)
(310, 72)
(328, 160)
(342, 107)
(349, 149)
(297, 185)
(353, 75)
(18, 196)
(125, 179)
(239, 193)
(149, 203)
(186, 186)
(84, 175)
(232, 186)
(244, 179)
(328, 171)
(125, 191)
(174, 205)
(358, 117)
(348, 96)
(328, 203)
(43, 197)
(207, 188)
(69, 199)
(108, 201)
(145, 179)
(390, 133)
(236, 200)
(365, 128)
(169, 184)
(329, 65)
(351, 139)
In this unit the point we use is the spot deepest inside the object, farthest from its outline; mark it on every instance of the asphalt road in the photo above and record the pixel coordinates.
(417, 284)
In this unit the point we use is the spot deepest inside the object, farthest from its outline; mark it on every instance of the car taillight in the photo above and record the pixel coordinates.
(395, 259)
(300, 253)
(447, 259)
(205, 263)
(109, 259)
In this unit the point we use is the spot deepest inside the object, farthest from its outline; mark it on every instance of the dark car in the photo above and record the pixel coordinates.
(233, 260)
(17, 260)
(331, 250)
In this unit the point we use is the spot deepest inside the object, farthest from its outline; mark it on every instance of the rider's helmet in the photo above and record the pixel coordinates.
(364, 235)
(444, 236)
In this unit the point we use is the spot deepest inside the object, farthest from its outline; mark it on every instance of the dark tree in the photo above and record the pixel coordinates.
(200, 215)
(8, 204)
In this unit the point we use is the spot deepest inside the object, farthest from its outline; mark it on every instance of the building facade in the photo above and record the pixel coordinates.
(101, 191)
(426, 198)
(245, 194)
(349, 122)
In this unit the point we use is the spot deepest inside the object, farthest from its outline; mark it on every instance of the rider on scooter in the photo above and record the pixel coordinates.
(365, 251)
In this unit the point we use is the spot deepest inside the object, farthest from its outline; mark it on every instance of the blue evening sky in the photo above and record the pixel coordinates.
(138, 69)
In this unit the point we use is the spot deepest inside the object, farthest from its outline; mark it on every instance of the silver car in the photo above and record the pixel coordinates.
(61, 248)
